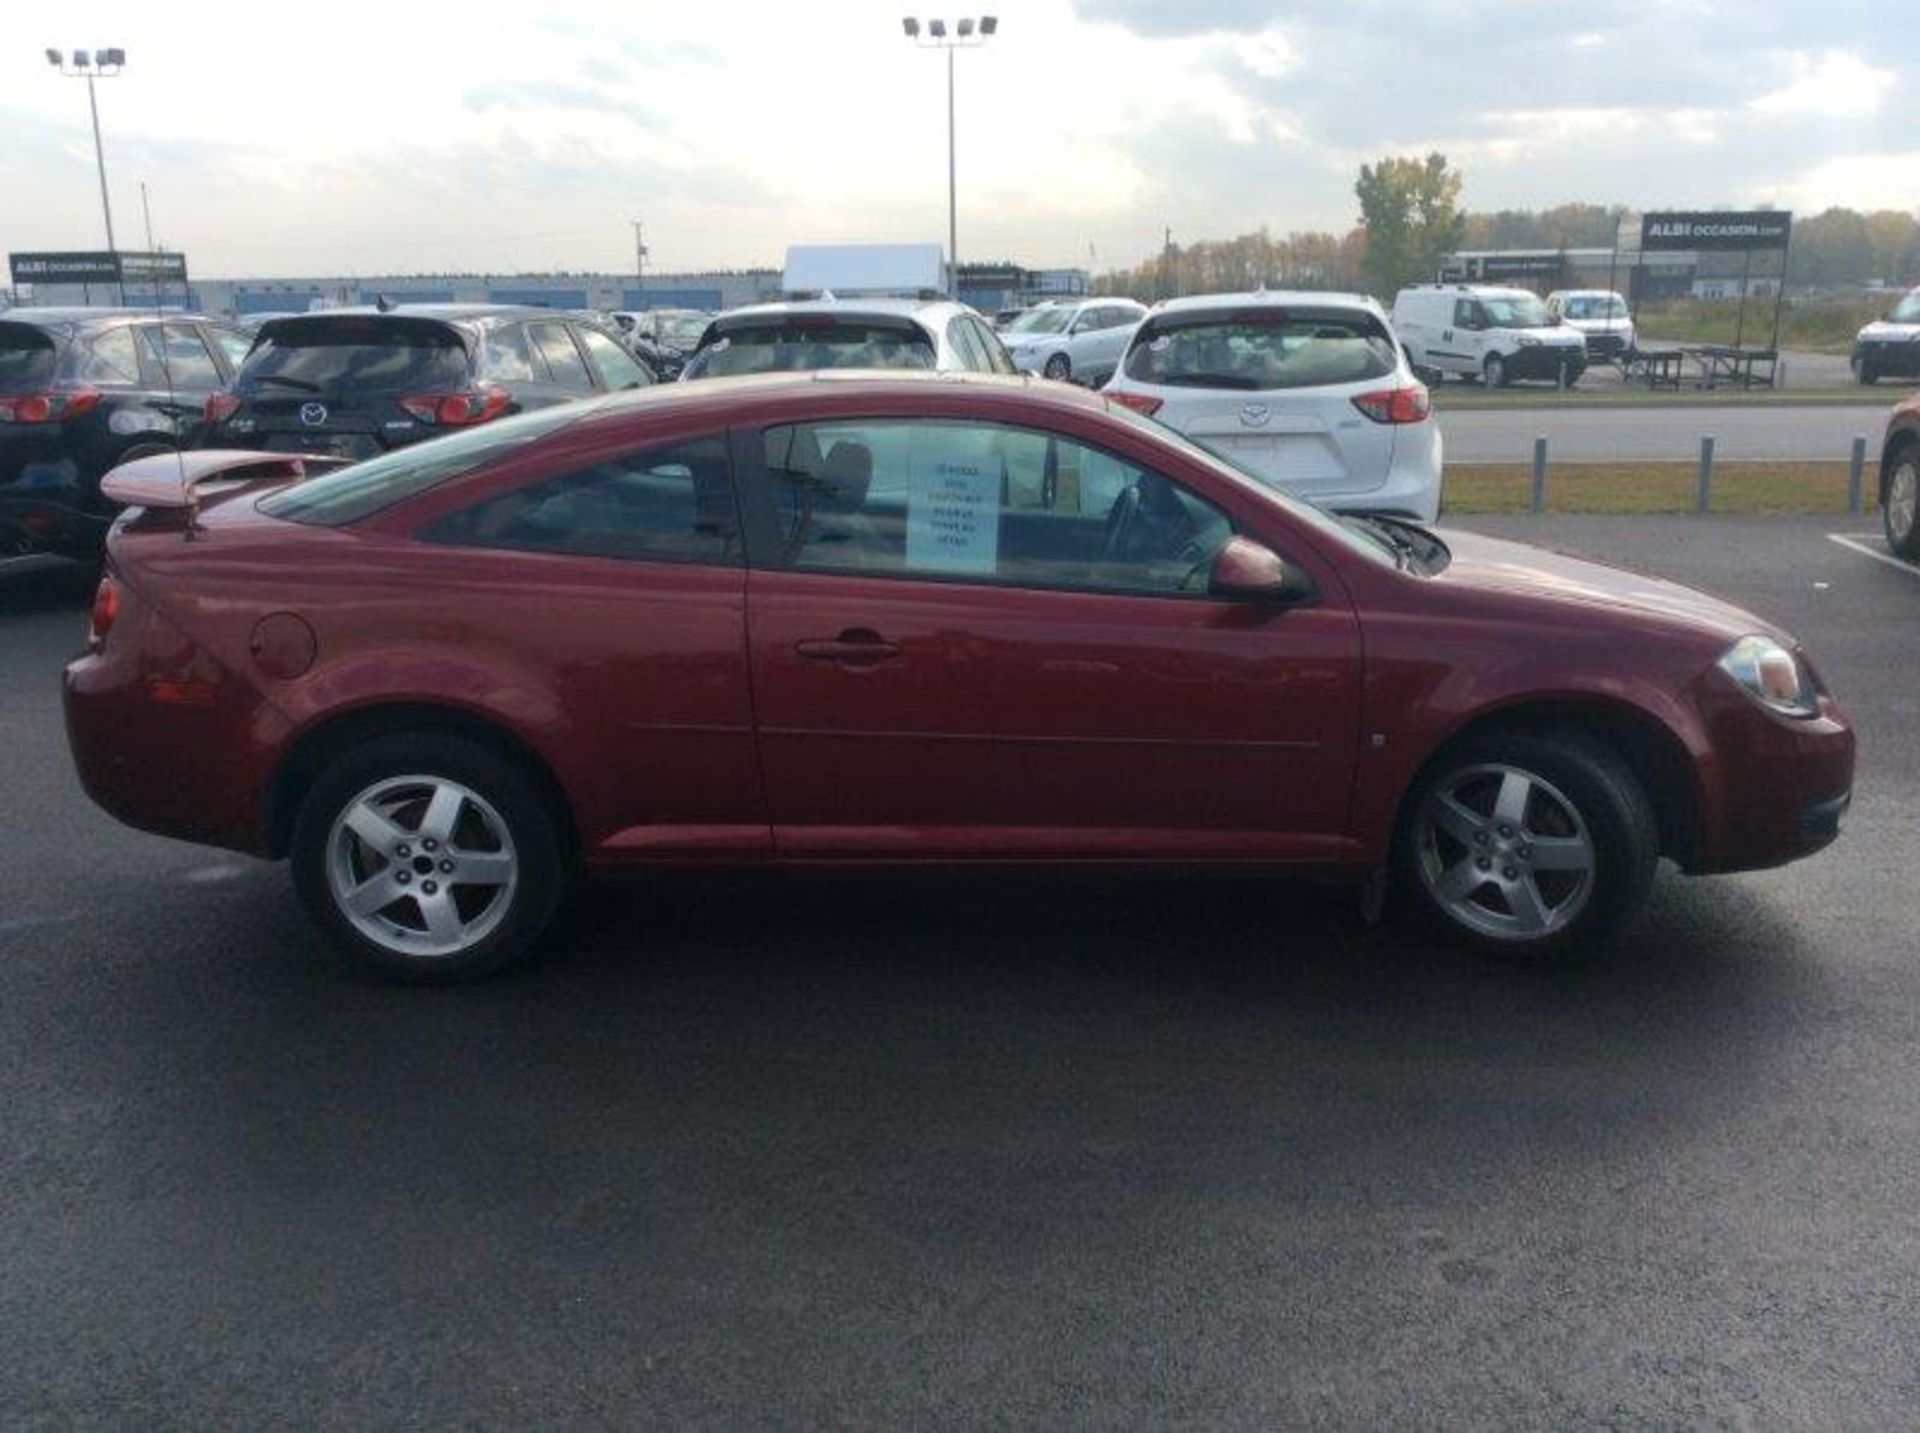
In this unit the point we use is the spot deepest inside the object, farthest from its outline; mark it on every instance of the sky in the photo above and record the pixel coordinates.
(357, 138)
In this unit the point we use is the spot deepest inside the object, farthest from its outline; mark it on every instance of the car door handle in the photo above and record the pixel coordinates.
(857, 646)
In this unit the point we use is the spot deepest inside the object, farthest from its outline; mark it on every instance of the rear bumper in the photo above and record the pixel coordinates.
(175, 767)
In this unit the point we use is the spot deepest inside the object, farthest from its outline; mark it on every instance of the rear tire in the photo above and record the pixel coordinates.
(428, 857)
(1526, 846)
(1900, 503)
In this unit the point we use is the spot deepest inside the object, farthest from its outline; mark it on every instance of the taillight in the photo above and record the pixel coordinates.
(220, 407)
(106, 607)
(453, 410)
(1411, 404)
(53, 406)
(1138, 402)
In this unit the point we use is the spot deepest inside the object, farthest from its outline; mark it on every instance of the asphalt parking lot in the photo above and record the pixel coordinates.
(1001, 1151)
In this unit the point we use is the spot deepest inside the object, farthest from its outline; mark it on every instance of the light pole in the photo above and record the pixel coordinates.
(967, 33)
(104, 65)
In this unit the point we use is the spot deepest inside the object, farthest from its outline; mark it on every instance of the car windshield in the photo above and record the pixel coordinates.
(1908, 309)
(802, 345)
(1515, 311)
(1595, 306)
(26, 358)
(370, 353)
(681, 330)
(360, 489)
(1041, 320)
(1260, 350)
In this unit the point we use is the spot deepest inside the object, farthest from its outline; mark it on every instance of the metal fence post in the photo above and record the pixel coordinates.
(1855, 469)
(1539, 474)
(1703, 486)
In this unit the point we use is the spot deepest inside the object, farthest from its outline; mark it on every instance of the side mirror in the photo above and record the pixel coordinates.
(1245, 569)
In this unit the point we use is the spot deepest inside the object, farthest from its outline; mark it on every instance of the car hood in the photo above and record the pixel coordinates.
(1883, 331)
(1553, 579)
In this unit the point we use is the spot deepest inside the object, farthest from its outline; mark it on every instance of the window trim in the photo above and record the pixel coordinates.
(760, 525)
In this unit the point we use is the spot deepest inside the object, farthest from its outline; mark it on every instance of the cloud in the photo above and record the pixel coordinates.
(1831, 85)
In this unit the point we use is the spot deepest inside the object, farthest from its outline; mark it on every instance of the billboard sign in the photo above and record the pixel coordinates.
(98, 266)
(1726, 232)
(1522, 266)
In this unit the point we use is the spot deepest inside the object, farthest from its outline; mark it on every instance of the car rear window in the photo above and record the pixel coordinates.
(329, 355)
(1261, 350)
(782, 346)
(26, 358)
(348, 494)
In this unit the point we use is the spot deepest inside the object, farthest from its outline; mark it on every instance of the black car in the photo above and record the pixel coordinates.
(355, 382)
(83, 390)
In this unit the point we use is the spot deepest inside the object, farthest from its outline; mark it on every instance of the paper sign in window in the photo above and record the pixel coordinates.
(953, 514)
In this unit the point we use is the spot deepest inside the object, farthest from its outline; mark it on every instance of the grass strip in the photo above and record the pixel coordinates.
(1738, 487)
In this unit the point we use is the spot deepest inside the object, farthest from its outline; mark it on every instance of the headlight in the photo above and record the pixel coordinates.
(1772, 676)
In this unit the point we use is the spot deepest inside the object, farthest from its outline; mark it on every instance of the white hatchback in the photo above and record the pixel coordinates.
(1080, 340)
(1309, 392)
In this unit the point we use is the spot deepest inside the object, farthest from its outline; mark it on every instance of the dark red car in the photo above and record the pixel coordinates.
(853, 618)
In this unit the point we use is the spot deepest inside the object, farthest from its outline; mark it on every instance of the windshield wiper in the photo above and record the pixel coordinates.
(297, 384)
(1209, 380)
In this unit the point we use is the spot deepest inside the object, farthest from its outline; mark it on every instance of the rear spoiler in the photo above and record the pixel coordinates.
(170, 480)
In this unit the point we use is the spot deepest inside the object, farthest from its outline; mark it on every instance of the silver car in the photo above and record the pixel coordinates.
(1079, 340)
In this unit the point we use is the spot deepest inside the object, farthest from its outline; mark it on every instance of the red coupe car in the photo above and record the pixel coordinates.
(863, 618)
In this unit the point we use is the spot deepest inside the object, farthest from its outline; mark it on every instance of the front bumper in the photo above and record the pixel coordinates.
(1545, 361)
(1889, 360)
(1776, 787)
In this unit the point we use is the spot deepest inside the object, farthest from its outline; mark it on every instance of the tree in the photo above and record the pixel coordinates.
(1410, 210)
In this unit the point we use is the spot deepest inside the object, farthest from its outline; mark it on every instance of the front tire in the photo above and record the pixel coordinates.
(1496, 371)
(1059, 368)
(1526, 846)
(1864, 373)
(428, 857)
(1900, 503)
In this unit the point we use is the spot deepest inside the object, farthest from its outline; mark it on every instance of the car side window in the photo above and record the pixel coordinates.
(504, 357)
(982, 501)
(233, 345)
(995, 351)
(177, 351)
(620, 368)
(556, 346)
(1463, 313)
(667, 504)
(109, 358)
(960, 335)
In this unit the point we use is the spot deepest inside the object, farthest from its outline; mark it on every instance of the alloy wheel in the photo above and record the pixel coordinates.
(1504, 853)
(422, 866)
(1903, 495)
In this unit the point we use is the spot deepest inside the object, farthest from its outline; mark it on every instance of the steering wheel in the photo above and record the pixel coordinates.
(1123, 520)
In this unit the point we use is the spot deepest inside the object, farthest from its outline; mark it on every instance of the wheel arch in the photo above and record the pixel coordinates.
(327, 740)
(1651, 749)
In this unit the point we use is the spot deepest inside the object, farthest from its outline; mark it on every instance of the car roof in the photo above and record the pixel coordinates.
(78, 317)
(451, 312)
(1269, 298)
(929, 309)
(667, 400)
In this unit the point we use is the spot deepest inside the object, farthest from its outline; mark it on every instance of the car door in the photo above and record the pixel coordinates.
(952, 658)
(1119, 321)
(628, 611)
(1465, 340)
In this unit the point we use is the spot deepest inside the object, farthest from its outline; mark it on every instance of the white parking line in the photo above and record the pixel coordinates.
(1858, 543)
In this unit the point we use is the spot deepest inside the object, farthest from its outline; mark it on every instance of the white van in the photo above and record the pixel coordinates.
(1497, 335)
(1602, 316)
